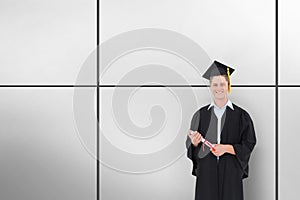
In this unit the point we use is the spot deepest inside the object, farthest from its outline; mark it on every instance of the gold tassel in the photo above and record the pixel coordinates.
(228, 74)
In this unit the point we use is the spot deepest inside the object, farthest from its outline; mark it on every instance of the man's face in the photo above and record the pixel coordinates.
(219, 87)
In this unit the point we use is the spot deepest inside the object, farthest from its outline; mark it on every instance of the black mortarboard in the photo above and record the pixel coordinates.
(216, 69)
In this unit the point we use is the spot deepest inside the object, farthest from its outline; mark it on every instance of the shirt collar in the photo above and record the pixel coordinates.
(229, 104)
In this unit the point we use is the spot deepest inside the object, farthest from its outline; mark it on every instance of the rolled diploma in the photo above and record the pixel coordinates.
(207, 143)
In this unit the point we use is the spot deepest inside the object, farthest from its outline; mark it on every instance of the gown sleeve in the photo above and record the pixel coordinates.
(191, 150)
(248, 140)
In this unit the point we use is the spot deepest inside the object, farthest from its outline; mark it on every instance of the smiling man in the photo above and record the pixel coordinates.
(220, 170)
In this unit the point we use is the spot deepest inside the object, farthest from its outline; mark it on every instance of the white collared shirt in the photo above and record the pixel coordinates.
(219, 113)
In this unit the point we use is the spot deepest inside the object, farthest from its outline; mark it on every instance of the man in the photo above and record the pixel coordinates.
(220, 170)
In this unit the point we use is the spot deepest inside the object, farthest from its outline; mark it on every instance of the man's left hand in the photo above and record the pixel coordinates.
(219, 149)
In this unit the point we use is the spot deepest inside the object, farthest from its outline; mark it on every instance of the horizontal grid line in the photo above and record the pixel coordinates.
(48, 85)
(105, 86)
(184, 86)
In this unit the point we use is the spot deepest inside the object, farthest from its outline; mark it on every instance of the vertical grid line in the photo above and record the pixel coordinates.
(97, 122)
(276, 99)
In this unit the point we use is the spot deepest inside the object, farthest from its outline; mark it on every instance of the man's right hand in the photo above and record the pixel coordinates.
(195, 137)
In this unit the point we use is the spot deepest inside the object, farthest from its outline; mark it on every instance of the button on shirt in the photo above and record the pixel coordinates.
(219, 113)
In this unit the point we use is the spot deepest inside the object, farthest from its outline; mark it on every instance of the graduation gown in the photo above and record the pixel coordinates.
(221, 179)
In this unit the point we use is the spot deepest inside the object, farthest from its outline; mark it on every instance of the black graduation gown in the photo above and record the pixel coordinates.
(221, 179)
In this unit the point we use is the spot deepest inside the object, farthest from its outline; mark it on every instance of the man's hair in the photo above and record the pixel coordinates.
(225, 76)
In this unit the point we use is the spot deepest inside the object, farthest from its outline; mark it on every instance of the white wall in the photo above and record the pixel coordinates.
(48, 133)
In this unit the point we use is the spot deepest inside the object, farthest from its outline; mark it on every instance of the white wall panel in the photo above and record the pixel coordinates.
(130, 164)
(41, 154)
(45, 42)
(288, 143)
(238, 33)
(289, 42)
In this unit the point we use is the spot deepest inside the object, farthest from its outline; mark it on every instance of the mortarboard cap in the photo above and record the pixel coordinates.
(216, 69)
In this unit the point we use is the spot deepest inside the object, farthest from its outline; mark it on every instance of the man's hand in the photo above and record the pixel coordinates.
(195, 137)
(220, 149)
